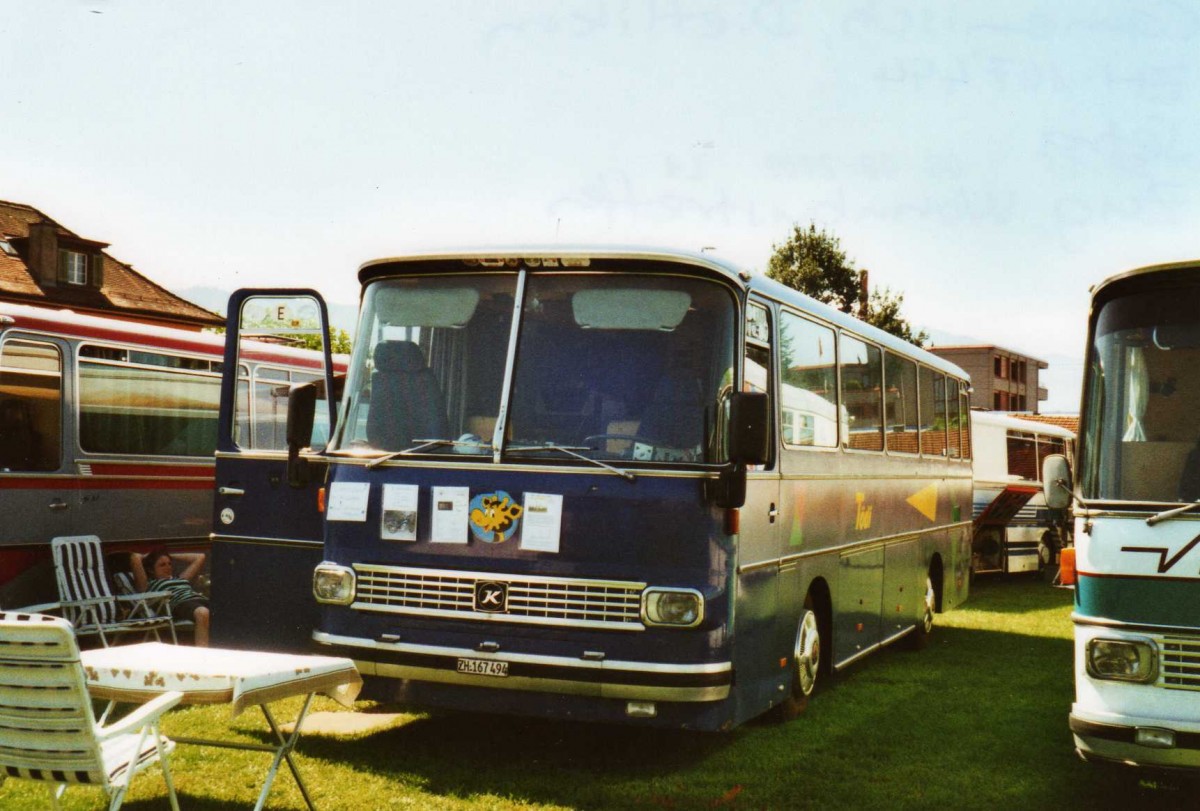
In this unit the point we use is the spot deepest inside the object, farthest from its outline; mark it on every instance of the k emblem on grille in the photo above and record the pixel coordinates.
(491, 596)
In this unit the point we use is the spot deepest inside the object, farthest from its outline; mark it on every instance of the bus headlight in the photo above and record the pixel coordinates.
(679, 608)
(1122, 660)
(333, 584)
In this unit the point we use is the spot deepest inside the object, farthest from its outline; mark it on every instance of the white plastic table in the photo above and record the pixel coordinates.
(137, 673)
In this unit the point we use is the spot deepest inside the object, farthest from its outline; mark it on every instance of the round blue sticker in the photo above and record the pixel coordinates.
(494, 517)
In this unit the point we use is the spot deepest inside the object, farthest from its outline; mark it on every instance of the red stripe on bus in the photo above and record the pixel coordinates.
(185, 471)
(251, 353)
(115, 334)
(93, 483)
(136, 335)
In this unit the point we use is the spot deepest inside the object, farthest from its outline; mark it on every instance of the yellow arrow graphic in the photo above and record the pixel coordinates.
(925, 501)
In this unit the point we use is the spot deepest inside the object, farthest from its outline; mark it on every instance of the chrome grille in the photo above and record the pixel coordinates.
(1180, 664)
(613, 604)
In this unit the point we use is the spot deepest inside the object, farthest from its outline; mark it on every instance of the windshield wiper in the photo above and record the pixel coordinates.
(423, 444)
(573, 451)
(1171, 513)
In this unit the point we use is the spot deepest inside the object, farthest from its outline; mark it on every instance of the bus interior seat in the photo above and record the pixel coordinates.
(484, 426)
(406, 401)
(1189, 479)
(621, 427)
(481, 426)
(1152, 471)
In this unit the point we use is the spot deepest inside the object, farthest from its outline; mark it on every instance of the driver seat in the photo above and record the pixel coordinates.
(406, 401)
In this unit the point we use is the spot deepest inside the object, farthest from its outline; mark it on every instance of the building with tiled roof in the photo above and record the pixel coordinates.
(44, 263)
(1068, 421)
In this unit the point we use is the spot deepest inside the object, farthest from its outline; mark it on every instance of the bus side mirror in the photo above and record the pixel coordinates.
(1056, 481)
(301, 413)
(750, 428)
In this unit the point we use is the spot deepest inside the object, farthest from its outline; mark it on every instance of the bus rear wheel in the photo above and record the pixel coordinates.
(919, 638)
(806, 663)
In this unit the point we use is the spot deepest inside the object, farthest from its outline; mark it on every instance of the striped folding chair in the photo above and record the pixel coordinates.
(87, 599)
(123, 582)
(48, 731)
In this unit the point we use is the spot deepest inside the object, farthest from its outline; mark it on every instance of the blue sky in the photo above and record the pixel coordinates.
(989, 160)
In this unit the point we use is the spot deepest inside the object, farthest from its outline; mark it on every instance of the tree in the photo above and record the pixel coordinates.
(884, 312)
(339, 341)
(814, 263)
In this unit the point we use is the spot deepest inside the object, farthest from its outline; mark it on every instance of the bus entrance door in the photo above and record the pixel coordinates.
(40, 483)
(990, 544)
(760, 638)
(267, 527)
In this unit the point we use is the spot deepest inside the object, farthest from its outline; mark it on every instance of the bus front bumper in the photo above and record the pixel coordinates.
(1148, 745)
(592, 676)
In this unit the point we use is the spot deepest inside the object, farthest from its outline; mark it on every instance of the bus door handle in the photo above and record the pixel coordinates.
(231, 491)
(59, 505)
(773, 513)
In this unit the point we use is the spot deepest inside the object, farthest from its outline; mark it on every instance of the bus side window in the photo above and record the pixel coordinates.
(30, 406)
(900, 404)
(146, 403)
(1022, 455)
(757, 373)
(241, 413)
(269, 392)
(862, 391)
(964, 424)
(808, 394)
(1048, 445)
(932, 387)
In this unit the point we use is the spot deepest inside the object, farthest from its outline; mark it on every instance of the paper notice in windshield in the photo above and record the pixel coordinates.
(542, 522)
(450, 514)
(348, 501)
(399, 519)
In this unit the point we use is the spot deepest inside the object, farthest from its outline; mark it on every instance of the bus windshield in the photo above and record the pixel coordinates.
(611, 366)
(1142, 399)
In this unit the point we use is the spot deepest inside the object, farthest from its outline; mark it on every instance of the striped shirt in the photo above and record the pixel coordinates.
(180, 590)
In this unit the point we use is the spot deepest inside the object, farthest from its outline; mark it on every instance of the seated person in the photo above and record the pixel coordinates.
(155, 571)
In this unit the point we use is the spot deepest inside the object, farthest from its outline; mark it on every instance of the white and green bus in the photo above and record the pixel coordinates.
(1137, 529)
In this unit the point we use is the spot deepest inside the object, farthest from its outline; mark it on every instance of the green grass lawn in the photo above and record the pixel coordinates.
(978, 720)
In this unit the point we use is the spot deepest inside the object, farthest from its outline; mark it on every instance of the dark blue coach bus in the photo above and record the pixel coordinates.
(610, 485)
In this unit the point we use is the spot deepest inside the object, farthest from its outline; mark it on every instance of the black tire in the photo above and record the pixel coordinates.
(806, 663)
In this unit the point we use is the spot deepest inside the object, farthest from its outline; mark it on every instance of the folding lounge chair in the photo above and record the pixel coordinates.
(123, 581)
(48, 731)
(87, 599)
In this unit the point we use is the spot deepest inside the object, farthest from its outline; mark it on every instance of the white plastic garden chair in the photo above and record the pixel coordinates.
(48, 731)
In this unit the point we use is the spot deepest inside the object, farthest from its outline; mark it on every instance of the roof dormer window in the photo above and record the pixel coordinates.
(7, 248)
(74, 267)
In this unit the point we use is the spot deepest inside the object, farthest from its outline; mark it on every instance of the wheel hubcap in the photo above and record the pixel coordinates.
(808, 654)
(930, 599)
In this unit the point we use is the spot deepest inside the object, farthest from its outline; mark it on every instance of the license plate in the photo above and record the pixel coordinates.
(483, 667)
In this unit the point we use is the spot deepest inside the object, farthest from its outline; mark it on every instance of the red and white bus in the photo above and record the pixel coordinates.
(108, 427)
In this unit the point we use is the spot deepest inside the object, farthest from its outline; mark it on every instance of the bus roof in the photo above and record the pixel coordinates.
(1017, 424)
(577, 256)
(70, 324)
(1148, 270)
(781, 292)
